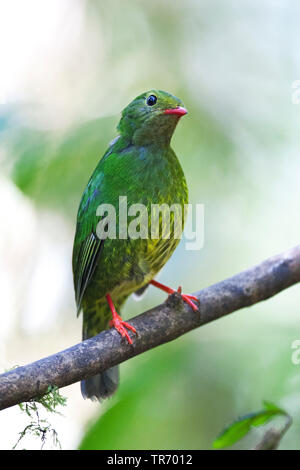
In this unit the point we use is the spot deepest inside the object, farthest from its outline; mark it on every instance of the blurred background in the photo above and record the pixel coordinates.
(67, 69)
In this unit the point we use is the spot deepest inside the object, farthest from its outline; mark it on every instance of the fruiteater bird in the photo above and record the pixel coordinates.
(141, 165)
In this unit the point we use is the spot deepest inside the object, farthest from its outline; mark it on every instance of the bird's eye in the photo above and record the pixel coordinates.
(151, 100)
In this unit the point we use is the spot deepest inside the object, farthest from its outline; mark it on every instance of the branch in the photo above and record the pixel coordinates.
(272, 437)
(157, 326)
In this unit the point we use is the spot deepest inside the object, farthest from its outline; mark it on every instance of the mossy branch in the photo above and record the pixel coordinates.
(157, 326)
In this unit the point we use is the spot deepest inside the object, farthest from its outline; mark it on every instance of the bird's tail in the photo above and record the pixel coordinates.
(103, 385)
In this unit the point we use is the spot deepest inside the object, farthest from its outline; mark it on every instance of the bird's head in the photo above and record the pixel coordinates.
(151, 117)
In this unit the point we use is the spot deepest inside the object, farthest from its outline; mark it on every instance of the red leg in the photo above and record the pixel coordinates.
(117, 321)
(186, 298)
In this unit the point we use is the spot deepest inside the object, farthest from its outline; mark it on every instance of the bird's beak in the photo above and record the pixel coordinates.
(179, 111)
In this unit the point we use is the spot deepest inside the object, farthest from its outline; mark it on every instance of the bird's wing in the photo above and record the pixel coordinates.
(87, 246)
(109, 180)
(86, 262)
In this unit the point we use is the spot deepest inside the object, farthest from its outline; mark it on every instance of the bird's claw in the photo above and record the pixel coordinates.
(121, 326)
(188, 299)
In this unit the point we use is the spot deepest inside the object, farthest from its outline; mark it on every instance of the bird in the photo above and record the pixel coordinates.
(141, 167)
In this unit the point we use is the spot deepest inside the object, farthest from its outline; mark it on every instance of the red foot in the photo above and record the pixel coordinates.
(186, 298)
(118, 323)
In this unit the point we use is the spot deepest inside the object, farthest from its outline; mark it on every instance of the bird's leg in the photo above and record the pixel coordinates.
(117, 321)
(186, 298)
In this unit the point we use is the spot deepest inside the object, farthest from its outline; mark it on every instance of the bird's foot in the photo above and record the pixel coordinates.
(118, 323)
(185, 297)
(121, 326)
(189, 299)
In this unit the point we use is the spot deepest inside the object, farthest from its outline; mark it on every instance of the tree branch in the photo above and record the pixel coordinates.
(157, 326)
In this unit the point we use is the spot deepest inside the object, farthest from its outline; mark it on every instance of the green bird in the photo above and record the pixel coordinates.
(141, 166)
